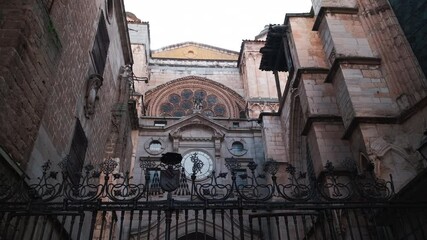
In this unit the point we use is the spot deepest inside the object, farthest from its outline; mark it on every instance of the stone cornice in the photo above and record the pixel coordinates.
(179, 45)
(350, 60)
(293, 81)
(319, 118)
(337, 10)
(298, 15)
(192, 63)
(308, 70)
(399, 119)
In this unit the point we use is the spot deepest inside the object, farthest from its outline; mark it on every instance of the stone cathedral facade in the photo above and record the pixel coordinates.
(343, 84)
(315, 129)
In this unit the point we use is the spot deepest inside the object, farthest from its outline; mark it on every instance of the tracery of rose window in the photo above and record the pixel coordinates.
(187, 101)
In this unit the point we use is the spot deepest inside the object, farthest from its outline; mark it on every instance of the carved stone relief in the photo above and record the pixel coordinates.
(391, 158)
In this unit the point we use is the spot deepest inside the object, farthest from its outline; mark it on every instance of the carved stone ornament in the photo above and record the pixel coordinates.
(93, 85)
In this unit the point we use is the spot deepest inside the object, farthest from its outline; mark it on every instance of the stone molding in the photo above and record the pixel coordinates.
(188, 63)
(197, 120)
(233, 102)
(339, 60)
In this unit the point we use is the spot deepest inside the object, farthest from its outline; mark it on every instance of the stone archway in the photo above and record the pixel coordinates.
(178, 98)
(196, 236)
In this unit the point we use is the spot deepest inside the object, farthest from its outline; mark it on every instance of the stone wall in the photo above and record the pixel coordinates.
(45, 78)
(273, 139)
(228, 76)
(359, 90)
(257, 84)
(30, 49)
(412, 16)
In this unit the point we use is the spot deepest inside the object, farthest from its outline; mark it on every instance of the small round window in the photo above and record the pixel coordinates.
(237, 147)
(155, 146)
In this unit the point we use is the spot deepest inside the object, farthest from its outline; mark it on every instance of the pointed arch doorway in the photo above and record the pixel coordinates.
(196, 236)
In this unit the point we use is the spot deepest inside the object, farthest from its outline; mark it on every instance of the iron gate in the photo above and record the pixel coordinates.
(106, 205)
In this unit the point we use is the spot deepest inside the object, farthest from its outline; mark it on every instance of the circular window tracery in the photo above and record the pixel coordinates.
(166, 107)
(186, 94)
(155, 146)
(179, 113)
(237, 148)
(185, 101)
(212, 100)
(208, 113)
(234, 102)
(200, 94)
(186, 104)
(219, 110)
(174, 98)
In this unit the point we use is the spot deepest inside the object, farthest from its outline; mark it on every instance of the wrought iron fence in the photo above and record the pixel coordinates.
(106, 204)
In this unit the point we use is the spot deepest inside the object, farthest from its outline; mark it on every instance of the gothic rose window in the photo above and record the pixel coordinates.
(166, 107)
(212, 100)
(174, 98)
(184, 102)
(187, 94)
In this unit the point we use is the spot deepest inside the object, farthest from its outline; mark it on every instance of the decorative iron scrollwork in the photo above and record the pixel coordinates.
(213, 189)
(89, 187)
(372, 188)
(295, 190)
(44, 190)
(332, 187)
(124, 190)
(104, 182)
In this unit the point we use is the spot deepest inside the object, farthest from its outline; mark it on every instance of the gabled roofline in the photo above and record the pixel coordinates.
(173, 46)
(242, 46)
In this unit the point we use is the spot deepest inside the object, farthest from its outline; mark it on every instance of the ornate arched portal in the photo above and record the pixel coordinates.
(185, 96)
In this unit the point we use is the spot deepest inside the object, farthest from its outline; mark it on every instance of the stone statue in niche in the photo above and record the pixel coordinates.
(127, 74)
(197, 105)
(93, 85)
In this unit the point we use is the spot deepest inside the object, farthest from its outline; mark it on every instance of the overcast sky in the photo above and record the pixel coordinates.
(220, 23)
